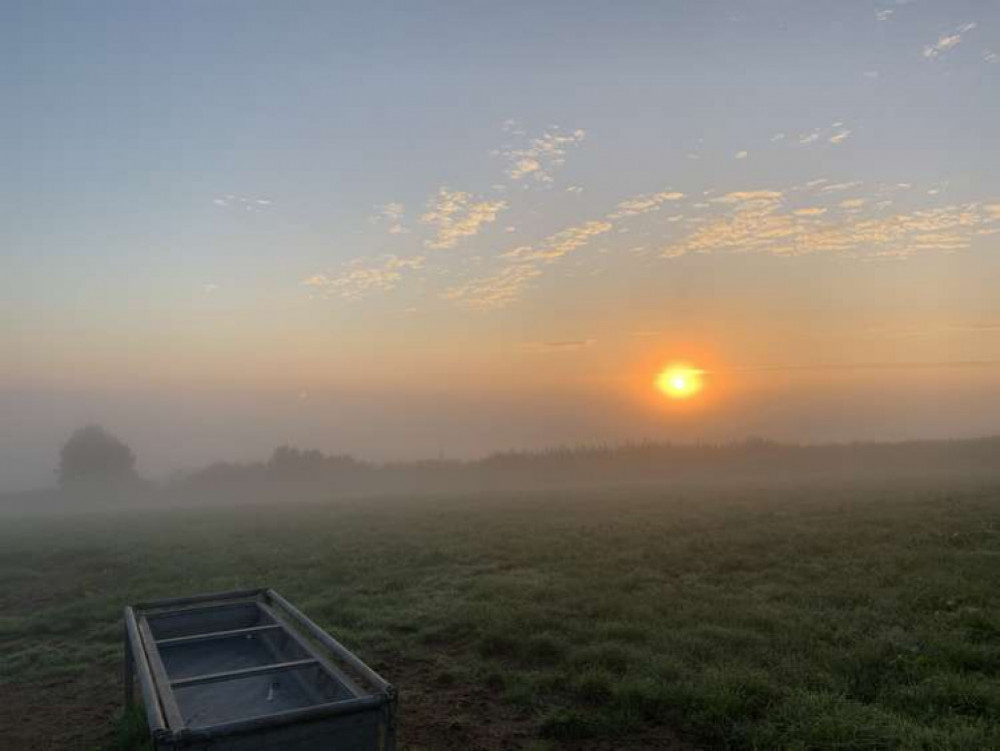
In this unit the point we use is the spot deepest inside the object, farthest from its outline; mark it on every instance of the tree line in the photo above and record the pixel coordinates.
(93, 459)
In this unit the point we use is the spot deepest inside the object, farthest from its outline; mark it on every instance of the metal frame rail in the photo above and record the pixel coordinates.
(166, 722)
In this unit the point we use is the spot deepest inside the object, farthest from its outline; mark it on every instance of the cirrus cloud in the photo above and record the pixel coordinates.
(758, 222)
(643, 204)
(541, 156)
(524, 264)
(359, 278)
(947, 41)
(455, 214)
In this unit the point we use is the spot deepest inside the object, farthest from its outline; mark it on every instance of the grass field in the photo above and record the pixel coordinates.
(843, 617)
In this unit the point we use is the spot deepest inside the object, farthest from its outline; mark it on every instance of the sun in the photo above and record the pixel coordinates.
(680, 381)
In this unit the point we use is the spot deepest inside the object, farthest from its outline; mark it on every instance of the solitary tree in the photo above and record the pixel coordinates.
(94, 457)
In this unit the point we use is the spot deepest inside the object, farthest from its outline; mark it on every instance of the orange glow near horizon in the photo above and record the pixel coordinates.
(680, 381)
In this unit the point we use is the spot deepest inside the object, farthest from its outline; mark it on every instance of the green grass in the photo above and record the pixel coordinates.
(849, 618)
(130, 732)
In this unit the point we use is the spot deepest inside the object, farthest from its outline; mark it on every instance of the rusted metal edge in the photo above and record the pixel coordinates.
(332, 644)
(332, 669)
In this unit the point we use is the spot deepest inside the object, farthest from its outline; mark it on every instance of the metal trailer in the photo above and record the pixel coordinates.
(242, 670)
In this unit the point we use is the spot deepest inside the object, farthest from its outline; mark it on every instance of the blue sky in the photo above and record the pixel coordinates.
(419, 199)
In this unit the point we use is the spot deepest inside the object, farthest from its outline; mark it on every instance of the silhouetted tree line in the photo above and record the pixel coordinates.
(96, 468)
(304, 474)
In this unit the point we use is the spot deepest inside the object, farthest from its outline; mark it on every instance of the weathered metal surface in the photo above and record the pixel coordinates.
(247, 670)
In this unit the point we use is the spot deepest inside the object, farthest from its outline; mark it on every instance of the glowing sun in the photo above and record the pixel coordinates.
(679, 381)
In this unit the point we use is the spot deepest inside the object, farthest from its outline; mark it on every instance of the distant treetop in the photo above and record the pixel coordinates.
(93, 456)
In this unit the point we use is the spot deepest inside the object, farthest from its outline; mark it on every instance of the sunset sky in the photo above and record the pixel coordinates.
(400, 230)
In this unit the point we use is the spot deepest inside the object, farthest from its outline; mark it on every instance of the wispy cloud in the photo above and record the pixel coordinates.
(523, 265)
(821, 367)
(985, 328)
(741, 155)
(836, 187)
(569, 345)
(510, 125)
(246, 203)
(645, 203)
(947, 41)
(846, 218)
(360, 277)
(884, 14)
(759, 222)
(835, 133)
(496, 291)
(455, 214)
(391, 216)
(749, 196)
(936, 331)
(541, 156)
(561, 243)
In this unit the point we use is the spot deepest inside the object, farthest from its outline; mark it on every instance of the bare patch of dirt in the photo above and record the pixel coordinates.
(58, 714)
(462, 717)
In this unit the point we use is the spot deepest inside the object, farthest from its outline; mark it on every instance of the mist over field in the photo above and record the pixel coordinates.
(176, 433)
(97, 471)
(740, 595)
(810, 613)
(527, 376)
